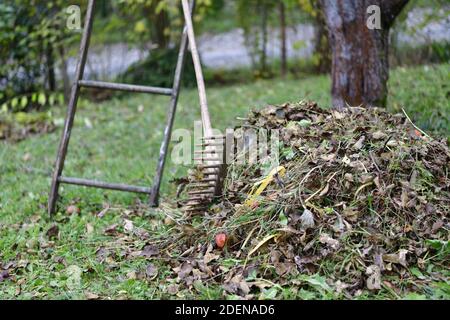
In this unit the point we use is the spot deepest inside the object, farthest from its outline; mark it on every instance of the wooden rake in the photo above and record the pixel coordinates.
(211, 160)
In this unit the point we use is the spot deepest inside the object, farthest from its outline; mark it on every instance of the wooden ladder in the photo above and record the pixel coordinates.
(153, 191)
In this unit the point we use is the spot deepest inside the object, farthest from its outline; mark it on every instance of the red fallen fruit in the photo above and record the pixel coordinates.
(72, 210)
(221, 239)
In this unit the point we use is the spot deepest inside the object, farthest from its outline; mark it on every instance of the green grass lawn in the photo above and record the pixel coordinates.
(118, 141)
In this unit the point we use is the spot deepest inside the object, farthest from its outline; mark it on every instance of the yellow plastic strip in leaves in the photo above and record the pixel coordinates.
(251, 199)
(261, 243)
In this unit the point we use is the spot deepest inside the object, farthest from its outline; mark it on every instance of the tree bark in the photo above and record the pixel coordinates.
(64, 74)
(160, 22)
(360, 66)
(264, 35)
(322, 45)
(283, 37)
(50, 68)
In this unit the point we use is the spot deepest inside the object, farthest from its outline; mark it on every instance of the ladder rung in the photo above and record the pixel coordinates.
(213, 138)
(210, 179)
(200, 185)
(212, 166)
(210, 191)
(104, 185)
(208, 159)
(210, 145)
(124, 87)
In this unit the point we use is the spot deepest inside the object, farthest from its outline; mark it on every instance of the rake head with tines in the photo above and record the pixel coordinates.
(207, 182)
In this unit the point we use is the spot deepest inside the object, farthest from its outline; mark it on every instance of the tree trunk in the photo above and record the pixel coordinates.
(360, 66)
(64, 74)
(160, 22)
(264, 31)
(282, 9)
(321, 45)
(50, 68)
(105, 8)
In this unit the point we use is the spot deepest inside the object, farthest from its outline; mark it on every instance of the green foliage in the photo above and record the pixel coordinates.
(253, 17)
(432, 11)
(405, 55)
(310, 7)
(255, 28)
(425, 97)
(441, 51)
(158, 21)
(158, 70)
(34, 100)
(30, 33)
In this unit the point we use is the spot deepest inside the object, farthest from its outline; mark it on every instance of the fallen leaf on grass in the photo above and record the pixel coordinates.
(359, 144)
(397, 258)
(91, 296)
(4, 275)
(188, 230)
(326, 239)
(26, 157)
(132, 275)
(103, 212)
(141, 233)
(340, 286)
(101, 254)
(285, 268)
(168, 221)
(52, 232)
(73, 277)
(173, 289)
(269, 294)
(9, 265)
(237, 285)
(128, 225)
(210, 256)
(307, 219)
(436, 226)
(111, 230)
(378, 135)
(151, 271)
(184, 270)
(149, 251)
(374, 280)
(89, 228)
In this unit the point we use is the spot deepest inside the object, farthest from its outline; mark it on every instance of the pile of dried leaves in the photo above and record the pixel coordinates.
(365, 199)
(360, 209)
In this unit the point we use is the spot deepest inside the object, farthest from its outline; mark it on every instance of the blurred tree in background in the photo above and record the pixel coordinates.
(322, 53)
(157, 26)
(35, 45)
(159, 21)
(32, 36)
(253, 18)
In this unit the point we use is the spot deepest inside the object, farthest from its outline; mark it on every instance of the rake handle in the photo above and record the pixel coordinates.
(206, 119)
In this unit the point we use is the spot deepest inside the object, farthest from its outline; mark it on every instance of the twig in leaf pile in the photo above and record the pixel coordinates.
(416, 127)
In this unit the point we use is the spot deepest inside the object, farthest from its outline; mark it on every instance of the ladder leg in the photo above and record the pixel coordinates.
(154, 197)
(71, 109)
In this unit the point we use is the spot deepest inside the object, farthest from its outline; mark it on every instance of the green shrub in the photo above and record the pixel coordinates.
(158, 70)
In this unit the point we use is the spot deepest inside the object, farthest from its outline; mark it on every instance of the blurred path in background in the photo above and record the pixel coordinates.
(228, 50)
